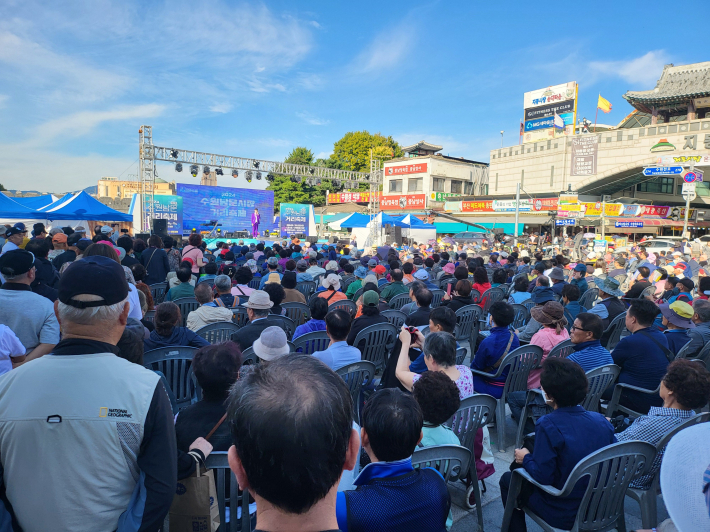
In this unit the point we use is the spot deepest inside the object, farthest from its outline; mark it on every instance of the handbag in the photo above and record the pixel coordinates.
(195, 504)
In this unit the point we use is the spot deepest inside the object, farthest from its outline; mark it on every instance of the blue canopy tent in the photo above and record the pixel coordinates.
(352, 220)
(13, 212)
(415, 223)
(82, 207)
(37, 202)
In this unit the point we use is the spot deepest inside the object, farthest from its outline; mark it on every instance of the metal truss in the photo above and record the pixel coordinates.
(373, 207)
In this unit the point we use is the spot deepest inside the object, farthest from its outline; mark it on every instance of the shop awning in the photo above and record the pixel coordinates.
(647, 222)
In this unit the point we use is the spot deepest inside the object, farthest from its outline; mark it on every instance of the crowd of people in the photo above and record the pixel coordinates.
(77, 315)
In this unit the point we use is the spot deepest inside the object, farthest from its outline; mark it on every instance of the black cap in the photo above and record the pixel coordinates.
(74, 238)
(95, 275)
(83, 244)
(13, 231)
(16, 262)
(688, 283)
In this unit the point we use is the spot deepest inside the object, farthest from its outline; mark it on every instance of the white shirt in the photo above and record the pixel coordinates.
(135, 303)
(10, 346)
(9, 246)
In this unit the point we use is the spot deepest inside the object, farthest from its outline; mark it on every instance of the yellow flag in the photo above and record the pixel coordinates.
(604, 104)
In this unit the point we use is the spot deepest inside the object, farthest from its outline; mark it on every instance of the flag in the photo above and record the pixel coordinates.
(558, 122)
(603, 104)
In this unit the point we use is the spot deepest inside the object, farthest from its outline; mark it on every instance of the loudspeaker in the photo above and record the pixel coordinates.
(311, 239)
(143, 236)
(332, 240)
(388, 229)
(301, 236)
(397, 234)
(405, 241)
(241, 234)
(159, 227)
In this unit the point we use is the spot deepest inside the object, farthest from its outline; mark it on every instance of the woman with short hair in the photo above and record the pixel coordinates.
(169, 330)
(460, 297)
(193, 251)
(155, 261)
(520, 290)
(242, 277)
(319, 308)
(288, 282)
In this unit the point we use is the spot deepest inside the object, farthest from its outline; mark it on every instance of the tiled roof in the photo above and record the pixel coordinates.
(422, 145)
(676, 84)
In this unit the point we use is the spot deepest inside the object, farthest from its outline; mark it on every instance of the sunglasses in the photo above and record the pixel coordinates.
(574, 327)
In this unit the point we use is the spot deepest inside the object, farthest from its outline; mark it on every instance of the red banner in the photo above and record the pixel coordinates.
(409, 201)
(477, 206)
(654, 210)
(419, 168)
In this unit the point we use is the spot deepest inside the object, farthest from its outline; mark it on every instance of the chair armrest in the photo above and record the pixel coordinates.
(635, 388)
(547, 489)
(487, 375)
(613, 404)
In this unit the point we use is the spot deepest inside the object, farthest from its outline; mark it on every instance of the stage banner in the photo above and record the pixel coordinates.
(169, 208)
(232, 207)
(297, 218)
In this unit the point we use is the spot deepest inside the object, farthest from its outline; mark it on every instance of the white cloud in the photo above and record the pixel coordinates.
(257, 85)
(221, 107)
(643, 70)
(3, 100)
(315, 24)
(386, 50)
(311, 119)
(323, 155)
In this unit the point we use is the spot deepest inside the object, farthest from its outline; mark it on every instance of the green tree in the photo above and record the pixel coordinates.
(352, 152)
(300, 155)
(2, 187)
(286, 191)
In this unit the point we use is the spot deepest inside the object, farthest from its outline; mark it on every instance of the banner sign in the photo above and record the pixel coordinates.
(628, 224)
(549, 110)
(631, 210)
(526, 205)
(610, 209)
(294, 219)
(169, 208)
(409, 201)
(232, 207)
(419, 168)
(552, 94)
(442, 196)
(684, 160)
(565, 221)
(349, 197)
(584, 155)
(548, 122)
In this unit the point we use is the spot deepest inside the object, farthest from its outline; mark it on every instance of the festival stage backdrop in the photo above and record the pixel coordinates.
(297, 219)
(170, 209)
(232, 207)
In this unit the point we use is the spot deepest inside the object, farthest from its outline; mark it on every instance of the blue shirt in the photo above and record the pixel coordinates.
(590, 355)
(310, 326)
(305, 276)
(492, 348)
(676, 338)
(338, 354)
(572, 309)
(262, 284)
(581, 284)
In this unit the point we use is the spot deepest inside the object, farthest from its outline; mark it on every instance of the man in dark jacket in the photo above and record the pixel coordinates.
(258, 308)
(71, 252)
(420, 317)
(610, 306)
(155, 261)
(641, 283)
(370, 315)
(46, 275)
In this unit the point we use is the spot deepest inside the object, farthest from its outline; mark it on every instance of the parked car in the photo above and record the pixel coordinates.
(471, 238)
(658, 244)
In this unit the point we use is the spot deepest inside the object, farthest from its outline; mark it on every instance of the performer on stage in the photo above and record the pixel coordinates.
(255, 219)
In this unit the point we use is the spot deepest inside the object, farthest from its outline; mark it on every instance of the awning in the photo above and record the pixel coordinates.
(647, 222)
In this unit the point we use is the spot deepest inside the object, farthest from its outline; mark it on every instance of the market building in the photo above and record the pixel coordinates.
(112, 187)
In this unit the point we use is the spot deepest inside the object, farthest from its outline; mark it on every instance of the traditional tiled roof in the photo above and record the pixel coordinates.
(421, 145)
(677, 84)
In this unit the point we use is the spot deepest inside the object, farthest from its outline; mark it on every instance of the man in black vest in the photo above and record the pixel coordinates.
(610, 306)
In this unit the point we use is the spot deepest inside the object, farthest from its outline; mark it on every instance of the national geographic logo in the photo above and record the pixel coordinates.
(114, 412)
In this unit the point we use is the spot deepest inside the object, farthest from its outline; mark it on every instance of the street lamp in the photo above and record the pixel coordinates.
(501, 138)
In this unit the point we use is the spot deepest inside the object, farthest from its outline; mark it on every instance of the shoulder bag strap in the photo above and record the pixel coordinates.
(151, 258)
(495, 366)
(214, 429)
(669, 354)
(330, 296)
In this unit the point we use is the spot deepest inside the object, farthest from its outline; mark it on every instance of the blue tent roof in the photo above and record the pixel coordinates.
(36, 202)
(9, 208)
(81, 206)
(416, 223)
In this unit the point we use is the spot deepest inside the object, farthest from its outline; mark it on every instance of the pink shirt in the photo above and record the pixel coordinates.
(547, 338)
(193, 253)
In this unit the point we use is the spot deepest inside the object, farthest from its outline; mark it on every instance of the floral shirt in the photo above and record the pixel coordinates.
(464, 382)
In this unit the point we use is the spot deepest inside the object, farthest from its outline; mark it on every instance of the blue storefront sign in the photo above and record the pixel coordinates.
(565, 221)
(662, 170)
(548, 122)
(628, 225)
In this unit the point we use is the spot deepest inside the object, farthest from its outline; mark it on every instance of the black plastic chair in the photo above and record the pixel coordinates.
(468, 319)
(300, 313)
(374, 342)
(395, 317)
(451, 461)
(344, 304)
(157, 290)
(232, 497)
(311, 342)
(437, 296)
(240, 316)
(284, 322)
(357, 375)
(589, 297)
(562, 350)
(307, 288)
(522, 316)
(186, 305)
(613, 332)
(216, 333)
(175, 362)
(254, 283)
(398, 301)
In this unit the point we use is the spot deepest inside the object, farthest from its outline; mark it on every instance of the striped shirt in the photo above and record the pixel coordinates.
(590, 355)
(651, 428)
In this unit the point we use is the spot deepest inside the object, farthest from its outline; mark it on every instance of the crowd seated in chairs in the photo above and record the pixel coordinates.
(168, 331)
(208, 312)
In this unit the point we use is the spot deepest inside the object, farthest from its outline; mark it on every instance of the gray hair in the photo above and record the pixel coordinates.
(702, 309)
(91, 315)
(543, 280)
(441, 346)
(260, 312)
(223, 283)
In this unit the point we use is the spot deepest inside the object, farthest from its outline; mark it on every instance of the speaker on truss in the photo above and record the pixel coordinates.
(159, 227)
(397, 234)
(312, 239)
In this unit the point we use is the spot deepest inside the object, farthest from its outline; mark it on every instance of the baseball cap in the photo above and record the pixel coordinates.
(370, 298)
(579, 268)
(95, 275)
(272, 261)
(302, 265)
(421, 274)
(106, 229)
(12, 231)
(16, 262)
(372, 263)
(60, 238)
(688, 283)
(83, 244)
(379, 269)
(540, 266)
(20, 226)
(73, 239)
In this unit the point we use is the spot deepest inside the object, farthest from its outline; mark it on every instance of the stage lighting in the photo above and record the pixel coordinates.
(248, 176)
(336, 182)
(178, 167)
(205, 170)
(317, 181)
(256, 164)
(312, 171)
(296, 179)
(258, 176)
(193, 170)
(174, 154)
(235, 173)
(218, 171)
(270, 177)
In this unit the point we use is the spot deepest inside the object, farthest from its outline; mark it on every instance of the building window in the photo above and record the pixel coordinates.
(468, 188)
(414, 185)
(438, 184)
(660, 185)
(395, 185)
(456, 187)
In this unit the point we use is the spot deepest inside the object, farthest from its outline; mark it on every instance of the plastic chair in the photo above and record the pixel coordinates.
(528, 304)
(648, 291)
(451, 461)
(309, 343)
(240, 316)
(374, 342)
(519, 363)
(344, 304)
(357, 375)
(216, 333)
(683, 351)
(186, 305)
(357, 294)
(589, 297)
(460, 355)
(346, 282)
(175, 362)
(300, 313)
(599, 380)
(490, 296)
(613, 331)
(283, 322)
(614, 406)
(307, 288)
(395, 317)
(157, 290)
(522, 316)
(474, 413)
(562, 350)
(398, 301)
(609, 471)
(621, 278)
(233, 498)
(249, 357)
(150, 315)
(468, 319)
(437, 297)
(703, 355)
(647, 498)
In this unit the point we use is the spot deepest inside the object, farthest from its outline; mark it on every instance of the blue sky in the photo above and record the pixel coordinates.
(257, 79)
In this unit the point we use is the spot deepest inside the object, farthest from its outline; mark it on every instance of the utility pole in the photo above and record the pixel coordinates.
(501, 138)
(517, 212)
(687, 207)
(602, 217)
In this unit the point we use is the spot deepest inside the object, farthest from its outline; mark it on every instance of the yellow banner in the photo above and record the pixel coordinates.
(570, 207)
(595, 209)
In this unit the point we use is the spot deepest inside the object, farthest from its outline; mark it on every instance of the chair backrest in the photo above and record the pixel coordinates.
(216, 333)
(344, 304)
(467, 319)
(396, 318)
(209, 282)
(520, 362)
(254, 283)
(703, 355)
(249, 357)
(616, 327)
(562, 350)
(398, 301)
(474, 413)
(150, 315)
(437, 297)
(231, 496)
(648, 291)
(599, 380)
(610, 470)
(357, 294)
(528, 304)
(460, 355)
(307, 288)
(475, 294)
(298, 312)
(346, 282)
(698, 418)
(451, 461)
(284, 322)
(683, 351)
(357, 375)
(374, 342)
(490, 296)
(175, 363)
(621, 278)
(317, 279)
(158, 290)
(522, 316)
(589, 297)
(240, 316)
(311, 342)
(186, 305)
